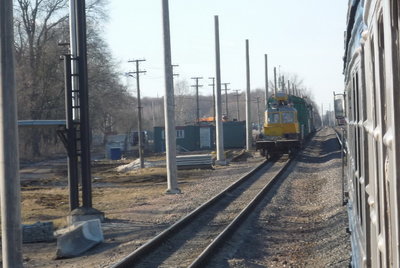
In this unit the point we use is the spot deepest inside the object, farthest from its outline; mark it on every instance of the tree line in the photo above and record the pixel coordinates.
(39, 27)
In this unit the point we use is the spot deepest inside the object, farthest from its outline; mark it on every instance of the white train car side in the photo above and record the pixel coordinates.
(372, 80)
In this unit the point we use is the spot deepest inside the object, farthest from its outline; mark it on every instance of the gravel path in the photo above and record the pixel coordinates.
(304, 223)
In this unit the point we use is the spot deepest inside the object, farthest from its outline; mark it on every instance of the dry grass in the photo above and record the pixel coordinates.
(112, 192)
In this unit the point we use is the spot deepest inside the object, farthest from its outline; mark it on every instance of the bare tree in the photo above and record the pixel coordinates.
(39, 26)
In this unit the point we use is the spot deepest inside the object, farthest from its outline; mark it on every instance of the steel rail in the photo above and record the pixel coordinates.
(160, 238)
(205, 256)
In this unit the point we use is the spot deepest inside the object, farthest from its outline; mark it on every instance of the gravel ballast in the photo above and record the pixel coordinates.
(303, 223)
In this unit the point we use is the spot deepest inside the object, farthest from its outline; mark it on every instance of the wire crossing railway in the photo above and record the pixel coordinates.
(192, 241)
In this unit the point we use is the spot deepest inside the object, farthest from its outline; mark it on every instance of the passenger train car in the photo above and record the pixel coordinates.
(288, 120)
(371, 69)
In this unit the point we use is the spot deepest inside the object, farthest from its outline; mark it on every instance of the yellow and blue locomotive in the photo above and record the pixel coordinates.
(288, 120)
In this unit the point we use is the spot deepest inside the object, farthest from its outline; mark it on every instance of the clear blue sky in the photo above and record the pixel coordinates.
(302, 36)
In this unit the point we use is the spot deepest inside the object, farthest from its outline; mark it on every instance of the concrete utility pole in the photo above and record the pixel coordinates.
(275, 85)
(9, 158)
(152, 111)
(329, 115)
(288, 87)
(197, 86)
(226, 98)
(169, 106)
(293, 89)
(266, 81)
(237, 104)
(213, 91)
(248, 111)
(258, 113)
(139, 107)
(322, 114)
(220, 130)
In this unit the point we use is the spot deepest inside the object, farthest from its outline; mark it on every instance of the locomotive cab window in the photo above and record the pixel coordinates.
(288, 117)
(273, 118)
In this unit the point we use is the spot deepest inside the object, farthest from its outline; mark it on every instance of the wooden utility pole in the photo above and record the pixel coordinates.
(169, 105)
(139, 107)
(9, 157)
(237, 104)
(226, 98)
(213, 91)
(248, 111)
(219, 125)
(197, 86)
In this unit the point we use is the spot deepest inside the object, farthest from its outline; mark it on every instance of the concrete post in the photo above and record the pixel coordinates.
(169, 106)
(266, 81)
(275, 85)
(249, 136)
(9, 158)
(220, 130)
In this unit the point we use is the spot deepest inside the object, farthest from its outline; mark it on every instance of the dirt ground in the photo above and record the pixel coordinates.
(134, 202)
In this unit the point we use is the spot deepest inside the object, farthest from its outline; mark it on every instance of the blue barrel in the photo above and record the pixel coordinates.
(115, 153)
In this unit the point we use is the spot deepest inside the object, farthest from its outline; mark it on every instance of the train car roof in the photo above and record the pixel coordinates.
(354, 24)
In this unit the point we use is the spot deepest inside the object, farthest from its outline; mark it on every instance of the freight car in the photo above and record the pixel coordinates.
(288, 120)
(371, 69)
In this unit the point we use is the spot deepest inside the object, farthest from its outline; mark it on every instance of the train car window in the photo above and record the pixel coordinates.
(273, 118)
(358, 134)
(396, 39)
(372, 50)
(288, 117)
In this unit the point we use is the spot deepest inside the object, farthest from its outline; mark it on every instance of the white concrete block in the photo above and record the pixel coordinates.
(81, 237)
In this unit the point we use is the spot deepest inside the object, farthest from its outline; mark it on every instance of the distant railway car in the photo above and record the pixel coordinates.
(288, 120)
(372, 87)
(339, 105)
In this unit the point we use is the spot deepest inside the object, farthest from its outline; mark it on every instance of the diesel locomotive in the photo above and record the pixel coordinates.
(289, 119)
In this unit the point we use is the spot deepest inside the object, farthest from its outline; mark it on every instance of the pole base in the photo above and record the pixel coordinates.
(173, 191)
(221, 163)
(84, 214)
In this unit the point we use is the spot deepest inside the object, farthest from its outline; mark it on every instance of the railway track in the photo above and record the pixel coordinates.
(192, 240)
